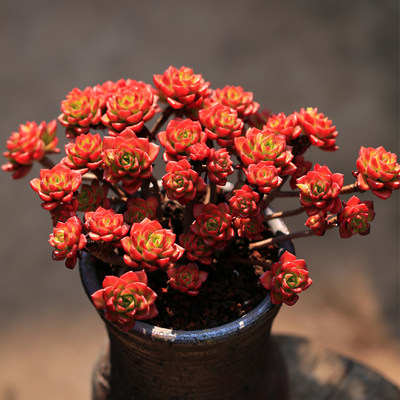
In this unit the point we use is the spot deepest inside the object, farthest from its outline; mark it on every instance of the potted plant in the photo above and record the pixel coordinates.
(164, 195)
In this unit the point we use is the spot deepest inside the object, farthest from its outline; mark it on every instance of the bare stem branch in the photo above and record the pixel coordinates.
(278, 239)
(164, 116)
(350, 188)
(283, 214)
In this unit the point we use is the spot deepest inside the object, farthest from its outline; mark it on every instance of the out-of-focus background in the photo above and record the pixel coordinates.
(341, 56)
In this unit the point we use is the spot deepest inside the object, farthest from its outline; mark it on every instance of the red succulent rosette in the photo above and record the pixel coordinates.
(181, 182)
(318, 128)
(80, 110)
(125, 299)
(29, 144)
(355, 216)
(286, 279)
(181, 87)
(179, 137)
(284, 125)
(221, 123)
(186, 278)
(235, 97)
(213, 223)
(250, 227)
(67, 239)
(219, 166)
(264, 175)
(150, 246)
(130, 106)
(129, 159)
(244, 202)
(84, 153)
(92, 196)
(265, 145)
(137, 209)
(319, 190)
(196, 248)
(199, 151)
(105, 225)
(317, 223)
(302, 167)
(378, 170)
(56, 185)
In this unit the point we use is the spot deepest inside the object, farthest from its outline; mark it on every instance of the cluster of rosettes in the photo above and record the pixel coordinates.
(212, 134)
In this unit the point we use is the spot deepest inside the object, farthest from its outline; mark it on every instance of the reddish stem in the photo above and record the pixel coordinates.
(350, 188)
(164, 116)
(282, 238)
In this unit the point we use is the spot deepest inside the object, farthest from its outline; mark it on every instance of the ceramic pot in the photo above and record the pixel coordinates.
(235, 361)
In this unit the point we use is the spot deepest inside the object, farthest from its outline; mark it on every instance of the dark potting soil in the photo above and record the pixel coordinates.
(231, 290)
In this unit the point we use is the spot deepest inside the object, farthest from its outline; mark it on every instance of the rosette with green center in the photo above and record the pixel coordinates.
(196, 248)
(130, 106)
(319, 190)
(105, 225)
(178, 138)
(128, 159)
(29, 144)
(213, 223)
(378, 170)
(318, 128)
(84, 153)
(181, 182)
(244, 202)
(67, 239)
(235, 97)
(355, 216)
(186, 278)
(56, 185)
(137, 209)
(125, 299)
(219, 166)
(80, 110)
(265, 145)
(150, 246)
(181, 88)
(92, 196)
(221, 123)
(286, 279)
(284, 125)
(264, 175)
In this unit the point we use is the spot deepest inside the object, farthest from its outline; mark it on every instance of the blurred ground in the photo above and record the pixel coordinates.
(340, 56)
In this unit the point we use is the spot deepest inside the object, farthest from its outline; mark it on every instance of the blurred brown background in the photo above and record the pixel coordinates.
(341, 56)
